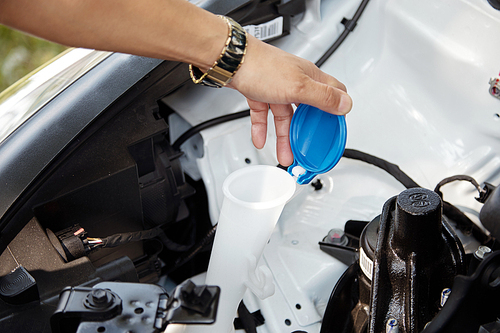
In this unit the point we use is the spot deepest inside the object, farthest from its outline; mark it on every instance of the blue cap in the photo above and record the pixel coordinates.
(318, 141)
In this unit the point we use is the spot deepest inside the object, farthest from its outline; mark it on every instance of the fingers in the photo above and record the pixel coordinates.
(258, 117)
(282, 117)
(329, 80)
(325, 97)
(322, 91)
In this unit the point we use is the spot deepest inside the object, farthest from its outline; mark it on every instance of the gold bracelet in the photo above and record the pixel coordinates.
(230, 60)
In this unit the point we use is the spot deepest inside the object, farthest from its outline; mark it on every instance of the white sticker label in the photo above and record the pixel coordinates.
(266, 30)
(366, 264)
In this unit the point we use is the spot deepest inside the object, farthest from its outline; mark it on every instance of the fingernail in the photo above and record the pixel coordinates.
(345, 104)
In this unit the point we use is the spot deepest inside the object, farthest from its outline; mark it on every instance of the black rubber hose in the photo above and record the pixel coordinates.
(208, 239)
(349, 26)
(464, 224)
(456, 178)
(391, 168)
(207, 124)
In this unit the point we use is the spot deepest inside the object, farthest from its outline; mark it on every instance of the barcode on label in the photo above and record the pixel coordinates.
(266, 30)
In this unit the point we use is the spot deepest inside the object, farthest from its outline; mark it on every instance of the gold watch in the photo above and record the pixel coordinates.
(230, 60)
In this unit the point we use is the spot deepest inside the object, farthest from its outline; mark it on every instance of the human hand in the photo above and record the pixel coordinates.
(273, 78)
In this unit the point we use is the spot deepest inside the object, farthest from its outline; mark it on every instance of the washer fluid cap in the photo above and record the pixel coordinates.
(318, 141)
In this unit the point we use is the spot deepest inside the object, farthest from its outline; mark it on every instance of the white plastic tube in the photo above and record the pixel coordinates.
(254, 198)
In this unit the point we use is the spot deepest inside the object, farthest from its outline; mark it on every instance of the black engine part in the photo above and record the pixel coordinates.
(490, 213)
(408, 256)
(473, 302)
(495, 4)
(416, 257)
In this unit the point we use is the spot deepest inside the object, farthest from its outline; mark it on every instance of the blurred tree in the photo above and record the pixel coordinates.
(21, 53)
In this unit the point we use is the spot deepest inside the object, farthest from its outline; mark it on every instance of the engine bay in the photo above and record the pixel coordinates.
(116, 234)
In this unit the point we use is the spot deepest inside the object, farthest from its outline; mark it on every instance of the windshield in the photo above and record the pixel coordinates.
(20, 101)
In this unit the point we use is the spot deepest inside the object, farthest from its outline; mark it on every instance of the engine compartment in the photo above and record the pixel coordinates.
(419, 74)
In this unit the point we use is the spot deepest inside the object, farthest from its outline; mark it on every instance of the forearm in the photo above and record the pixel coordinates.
(165, 29)
(178, 30)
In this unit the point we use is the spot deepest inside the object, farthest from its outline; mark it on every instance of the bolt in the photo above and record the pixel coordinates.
(482, 252)
(485, 249)
(99, 296)
(336, 237)
(444, 296)
(392, 326)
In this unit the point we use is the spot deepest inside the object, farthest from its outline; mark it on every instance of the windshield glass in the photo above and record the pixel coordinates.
(20, 101)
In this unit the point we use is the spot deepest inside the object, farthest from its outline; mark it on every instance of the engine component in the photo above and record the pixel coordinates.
(473, 301)
(490, 212)
(408, 256)
(347, 250)
(417, 255)
(115, 306)
(337, 237)
(69, 242)
(191, 304)
(85, 304)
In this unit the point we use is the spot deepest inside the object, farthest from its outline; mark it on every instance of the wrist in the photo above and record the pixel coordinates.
(214, 42)
(229, 61)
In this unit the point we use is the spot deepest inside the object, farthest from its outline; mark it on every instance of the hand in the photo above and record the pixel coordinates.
(272, 78)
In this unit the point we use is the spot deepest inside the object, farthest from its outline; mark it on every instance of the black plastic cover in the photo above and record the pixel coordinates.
(18, 287)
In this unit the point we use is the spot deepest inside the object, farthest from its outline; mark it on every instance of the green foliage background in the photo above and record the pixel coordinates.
(21, 53)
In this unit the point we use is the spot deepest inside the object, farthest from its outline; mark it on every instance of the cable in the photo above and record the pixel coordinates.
(463, 222)
(209, 237)
(207, 124)
(128, 237)
(391, 168)
(456, 178)
(349, 26)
